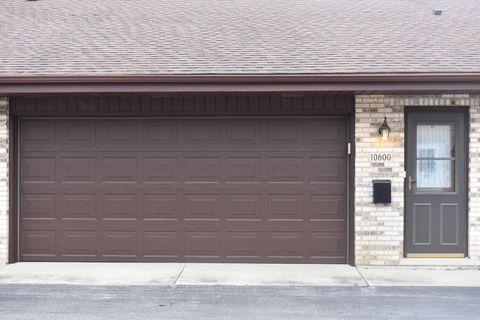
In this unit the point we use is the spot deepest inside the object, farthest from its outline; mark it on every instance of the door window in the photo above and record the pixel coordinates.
(435, 157)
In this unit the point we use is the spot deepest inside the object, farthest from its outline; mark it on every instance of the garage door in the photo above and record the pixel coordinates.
(183, 189)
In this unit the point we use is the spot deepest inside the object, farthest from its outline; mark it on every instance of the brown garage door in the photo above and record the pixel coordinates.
(189, 189)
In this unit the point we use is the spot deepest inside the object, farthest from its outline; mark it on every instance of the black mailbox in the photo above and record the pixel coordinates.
(382, 191)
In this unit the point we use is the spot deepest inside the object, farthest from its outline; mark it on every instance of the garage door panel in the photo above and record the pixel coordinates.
(166, 225)
(285, 169)
(334, 225)
(201, 132)
(77, 243)
(35, 135)
(331, 151)
(327, 244)
(327, 207)
(130, 225)
(75, 224)
(286, 207)
(119, 244)
(38, 169)
(244, 244)
(38, 223)
(243, 169)
(160, 169)
(96, 188)
(286, 245)
(297, 225)
(243, 207)
(326, 132)
(243, 190)
(161, 244)
(286, 132)
(118, 206)
(243, 132)
(77, 134)
(331, 188)
(77, 206)
(202, 206)
(117, 132)
(327, 169)
(77, 169)
(288, 188)
(202, 224)
(202, 244)
(38, 206)
(201, 169)
(118, 169)
(161, 206)
(158, 132)
(38, 243)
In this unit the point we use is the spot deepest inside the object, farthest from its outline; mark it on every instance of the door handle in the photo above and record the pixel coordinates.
(410, 182)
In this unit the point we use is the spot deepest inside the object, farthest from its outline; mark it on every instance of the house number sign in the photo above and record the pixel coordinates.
(380, 157)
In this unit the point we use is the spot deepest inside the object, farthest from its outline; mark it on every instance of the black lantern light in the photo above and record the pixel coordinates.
(384, 130)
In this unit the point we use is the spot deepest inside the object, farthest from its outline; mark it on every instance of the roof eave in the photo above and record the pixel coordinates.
(411, 82)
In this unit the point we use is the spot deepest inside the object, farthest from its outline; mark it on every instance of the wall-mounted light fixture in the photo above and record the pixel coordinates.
(384, 130)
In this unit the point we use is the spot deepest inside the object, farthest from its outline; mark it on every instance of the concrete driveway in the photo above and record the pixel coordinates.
(180, 274)
(172, 274)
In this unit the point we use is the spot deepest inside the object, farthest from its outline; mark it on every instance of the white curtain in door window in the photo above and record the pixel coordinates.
(434, 141)
(436, 174)
(435, 152)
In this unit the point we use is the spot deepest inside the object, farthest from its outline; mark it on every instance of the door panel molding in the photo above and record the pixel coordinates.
(415, 224)
(442, 224)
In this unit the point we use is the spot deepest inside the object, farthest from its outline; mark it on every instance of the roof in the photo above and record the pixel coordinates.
(237, 37)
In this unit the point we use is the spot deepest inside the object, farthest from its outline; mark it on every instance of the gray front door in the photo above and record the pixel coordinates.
(435, 185)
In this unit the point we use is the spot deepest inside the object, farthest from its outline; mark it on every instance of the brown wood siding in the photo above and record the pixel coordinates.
(207, 104)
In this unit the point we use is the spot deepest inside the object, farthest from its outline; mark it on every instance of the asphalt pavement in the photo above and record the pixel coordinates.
(39, 302)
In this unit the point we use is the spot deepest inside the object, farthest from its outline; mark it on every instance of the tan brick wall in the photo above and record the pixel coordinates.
(379, 228)
(474, 180)
(3, 180)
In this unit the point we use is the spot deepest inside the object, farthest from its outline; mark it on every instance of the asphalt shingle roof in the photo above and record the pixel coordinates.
(167, 37)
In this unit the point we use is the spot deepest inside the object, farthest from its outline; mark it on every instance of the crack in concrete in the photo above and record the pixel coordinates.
(363, 277)
(178, 277)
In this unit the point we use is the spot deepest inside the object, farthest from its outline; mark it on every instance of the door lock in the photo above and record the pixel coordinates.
(410, 182)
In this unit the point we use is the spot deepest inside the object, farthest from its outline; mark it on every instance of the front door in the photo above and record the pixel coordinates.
(436, 185)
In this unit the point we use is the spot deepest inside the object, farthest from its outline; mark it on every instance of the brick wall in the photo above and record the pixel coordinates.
(474, 180)
(379, 228)
(3, 180)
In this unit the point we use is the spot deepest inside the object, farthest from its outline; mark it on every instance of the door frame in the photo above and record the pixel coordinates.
(443, 109)
(13, 232)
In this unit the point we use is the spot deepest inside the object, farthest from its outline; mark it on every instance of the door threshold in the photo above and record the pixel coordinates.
(454, 262)
(436, 255)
